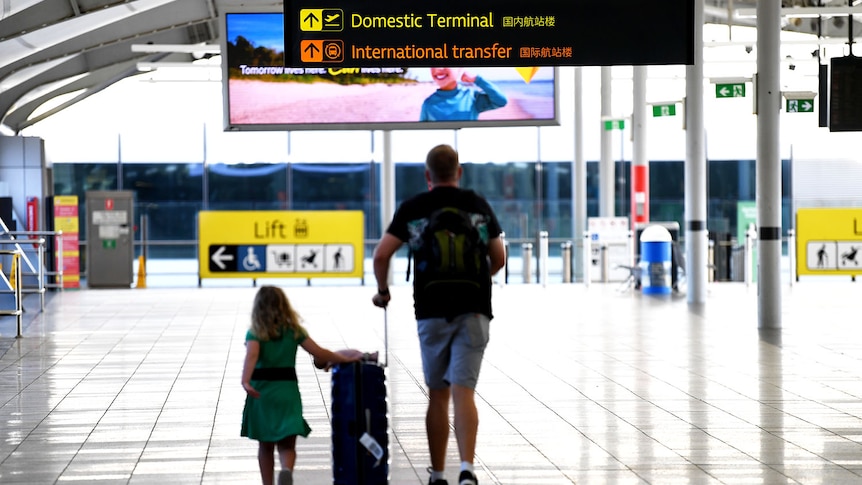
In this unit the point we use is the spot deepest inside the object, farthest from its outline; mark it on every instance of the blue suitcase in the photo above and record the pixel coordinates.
(360, 424)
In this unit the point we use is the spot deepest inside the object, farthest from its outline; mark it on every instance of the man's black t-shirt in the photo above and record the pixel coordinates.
(407, 226)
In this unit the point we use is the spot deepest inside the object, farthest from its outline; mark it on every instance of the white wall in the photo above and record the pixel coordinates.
(22, 174)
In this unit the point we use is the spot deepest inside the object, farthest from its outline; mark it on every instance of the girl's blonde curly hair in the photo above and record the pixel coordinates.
(272, 314)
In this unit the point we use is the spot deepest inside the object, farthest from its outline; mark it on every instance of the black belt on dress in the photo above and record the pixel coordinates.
(274, 374)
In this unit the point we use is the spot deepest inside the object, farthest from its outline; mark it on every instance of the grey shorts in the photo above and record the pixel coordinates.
(452, 351)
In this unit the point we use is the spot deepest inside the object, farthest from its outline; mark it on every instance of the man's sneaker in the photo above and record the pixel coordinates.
(467, 478)
(439, 481)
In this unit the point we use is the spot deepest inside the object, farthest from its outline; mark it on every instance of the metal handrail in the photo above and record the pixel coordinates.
(576, 244)
(18, 312)
(58, 235)
(39, 271)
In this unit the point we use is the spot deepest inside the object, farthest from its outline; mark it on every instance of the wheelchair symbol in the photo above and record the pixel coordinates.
(250, 261)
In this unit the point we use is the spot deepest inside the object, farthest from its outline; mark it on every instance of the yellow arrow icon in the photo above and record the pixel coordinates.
(527, 73)
(311, 19)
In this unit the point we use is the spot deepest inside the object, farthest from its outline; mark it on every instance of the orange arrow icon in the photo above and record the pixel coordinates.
(311, 50)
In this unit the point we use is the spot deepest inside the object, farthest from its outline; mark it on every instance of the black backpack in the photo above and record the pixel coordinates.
(450, 250)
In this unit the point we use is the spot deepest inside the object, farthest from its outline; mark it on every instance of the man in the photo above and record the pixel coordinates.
(452, 318)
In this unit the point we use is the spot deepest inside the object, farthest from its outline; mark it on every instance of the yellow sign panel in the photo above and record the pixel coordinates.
(829, 241)
(280, 244)
(66, 220)
(321, 19)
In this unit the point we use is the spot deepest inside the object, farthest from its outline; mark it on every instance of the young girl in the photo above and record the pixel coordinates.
(273, 408)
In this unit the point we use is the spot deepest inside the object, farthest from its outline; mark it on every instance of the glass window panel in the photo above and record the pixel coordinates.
(511, 191)
(557, 188)
(725, 185)
(170, 195)
(593, 189)
(526, 196)
(409, 180)
(622, 189)
(666, 180)
(250, 186)
(334, 186)
(330, 186)
(667, 189)
(78, 178)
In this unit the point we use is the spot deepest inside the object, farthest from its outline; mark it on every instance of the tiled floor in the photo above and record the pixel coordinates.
(580, 385)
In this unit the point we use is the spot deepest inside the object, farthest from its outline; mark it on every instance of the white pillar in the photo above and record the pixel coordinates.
(640, 163)
(768, 168)
(696, 238)
(579, 183)
(606, 165)
(387, 188)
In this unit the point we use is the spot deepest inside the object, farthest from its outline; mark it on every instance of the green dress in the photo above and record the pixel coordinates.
(277, 413)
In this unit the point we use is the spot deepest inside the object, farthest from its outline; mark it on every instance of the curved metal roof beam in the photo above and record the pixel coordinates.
(20, 47)
(90, 84)
(24, 75)
(16, 6)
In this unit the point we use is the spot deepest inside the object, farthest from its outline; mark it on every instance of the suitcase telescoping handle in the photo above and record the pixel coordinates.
(385, 337)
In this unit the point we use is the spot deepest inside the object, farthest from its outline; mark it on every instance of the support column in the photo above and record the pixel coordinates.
(606, 165)
(640, 163)
(387, 188)
(579, 183)
(768, 172)
(696, 235)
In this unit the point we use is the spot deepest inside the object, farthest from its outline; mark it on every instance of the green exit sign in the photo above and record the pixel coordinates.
(732, 90)
(660, 110)
(800, 105)
(614, 125)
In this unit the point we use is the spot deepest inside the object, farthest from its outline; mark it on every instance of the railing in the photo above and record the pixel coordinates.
(556, 263)
(37, 270)
(14, 287)
(531, 260)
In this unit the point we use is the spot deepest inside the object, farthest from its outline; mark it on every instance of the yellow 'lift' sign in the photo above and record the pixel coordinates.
(280, 244)
(829, 241)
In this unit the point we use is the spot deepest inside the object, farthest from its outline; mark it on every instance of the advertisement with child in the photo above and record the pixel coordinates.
(262, 94)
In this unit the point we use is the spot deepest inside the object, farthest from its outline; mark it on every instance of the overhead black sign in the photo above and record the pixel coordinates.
(487, 33)
(845, 94)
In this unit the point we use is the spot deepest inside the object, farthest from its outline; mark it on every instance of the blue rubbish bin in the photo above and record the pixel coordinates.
(655, 263)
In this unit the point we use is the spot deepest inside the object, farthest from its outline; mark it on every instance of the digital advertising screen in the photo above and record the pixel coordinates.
(260, 93)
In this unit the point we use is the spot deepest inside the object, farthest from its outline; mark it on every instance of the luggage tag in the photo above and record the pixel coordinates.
(372, 446)
(369, 442)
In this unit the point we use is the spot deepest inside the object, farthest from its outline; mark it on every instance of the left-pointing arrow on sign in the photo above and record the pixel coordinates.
(219, 257)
